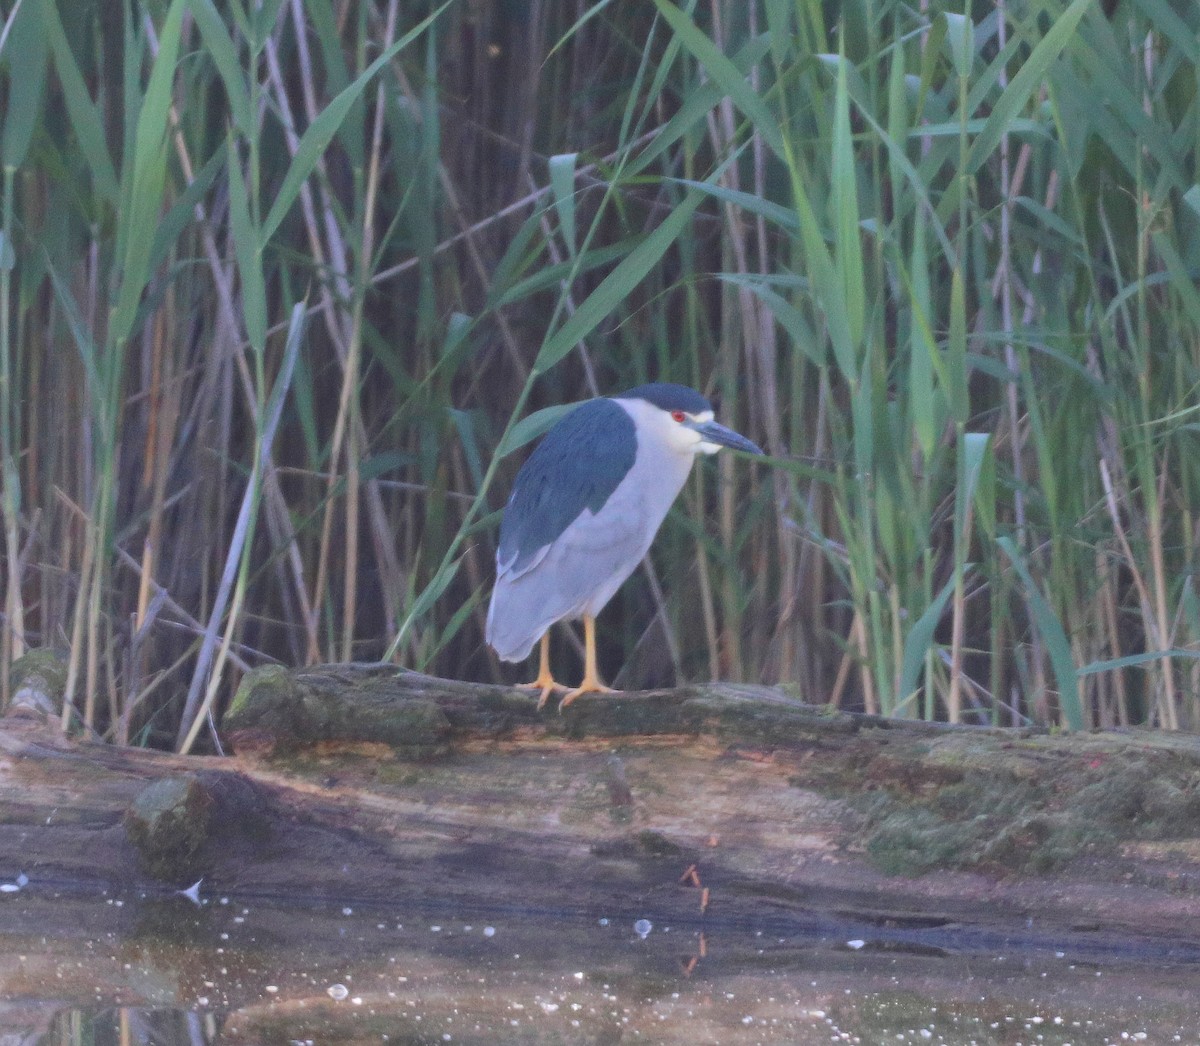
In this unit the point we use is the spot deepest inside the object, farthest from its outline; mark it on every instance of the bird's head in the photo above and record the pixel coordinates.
(683, 419)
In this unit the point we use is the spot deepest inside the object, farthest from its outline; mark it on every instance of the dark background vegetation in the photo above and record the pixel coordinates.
(938, 259)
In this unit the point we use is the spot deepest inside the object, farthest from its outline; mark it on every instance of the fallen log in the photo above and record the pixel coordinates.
(705, 803)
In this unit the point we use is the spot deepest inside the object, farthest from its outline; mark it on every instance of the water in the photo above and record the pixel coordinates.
(85, 968)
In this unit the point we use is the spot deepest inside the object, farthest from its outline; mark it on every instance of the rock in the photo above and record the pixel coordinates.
(168, 823)
(174, 823)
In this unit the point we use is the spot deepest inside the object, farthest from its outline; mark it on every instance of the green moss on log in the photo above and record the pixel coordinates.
(282, 711)
(277, 712)
(968, 802)
(38, 681)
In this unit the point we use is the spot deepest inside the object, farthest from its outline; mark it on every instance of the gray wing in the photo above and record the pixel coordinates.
(576, 467)
(553, 551)
(577, 573)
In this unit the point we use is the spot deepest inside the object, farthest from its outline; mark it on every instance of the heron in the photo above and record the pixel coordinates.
(583, 512)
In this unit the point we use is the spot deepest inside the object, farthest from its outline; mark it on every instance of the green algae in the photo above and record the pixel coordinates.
(968, 805)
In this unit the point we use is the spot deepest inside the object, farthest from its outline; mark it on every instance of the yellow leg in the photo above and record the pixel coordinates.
(545, 682)
(592, 683)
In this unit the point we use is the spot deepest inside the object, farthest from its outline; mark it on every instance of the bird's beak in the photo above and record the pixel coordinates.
(718, 435)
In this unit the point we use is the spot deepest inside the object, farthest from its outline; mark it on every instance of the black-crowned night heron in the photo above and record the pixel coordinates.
(583, 512)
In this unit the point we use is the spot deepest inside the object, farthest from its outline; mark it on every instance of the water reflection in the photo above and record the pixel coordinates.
(93, 970)
(129, 1026)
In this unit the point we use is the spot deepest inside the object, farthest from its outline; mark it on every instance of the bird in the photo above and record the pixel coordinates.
(583, 511)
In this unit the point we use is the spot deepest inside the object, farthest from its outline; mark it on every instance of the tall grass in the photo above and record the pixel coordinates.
(285, 286)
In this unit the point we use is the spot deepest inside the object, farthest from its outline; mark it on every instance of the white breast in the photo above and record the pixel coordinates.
(642, 499)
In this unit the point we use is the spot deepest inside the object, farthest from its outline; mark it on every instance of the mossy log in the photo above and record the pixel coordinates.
(707, 803)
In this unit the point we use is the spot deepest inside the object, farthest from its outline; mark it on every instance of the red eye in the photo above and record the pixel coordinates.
(678, 415)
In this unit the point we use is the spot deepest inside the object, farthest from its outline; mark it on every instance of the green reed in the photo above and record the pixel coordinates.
(287, 287)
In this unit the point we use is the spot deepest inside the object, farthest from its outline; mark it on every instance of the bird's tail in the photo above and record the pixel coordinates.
(508, 624)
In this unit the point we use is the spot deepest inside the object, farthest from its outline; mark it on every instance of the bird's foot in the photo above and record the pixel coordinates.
(545, 683)
(591, 685)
